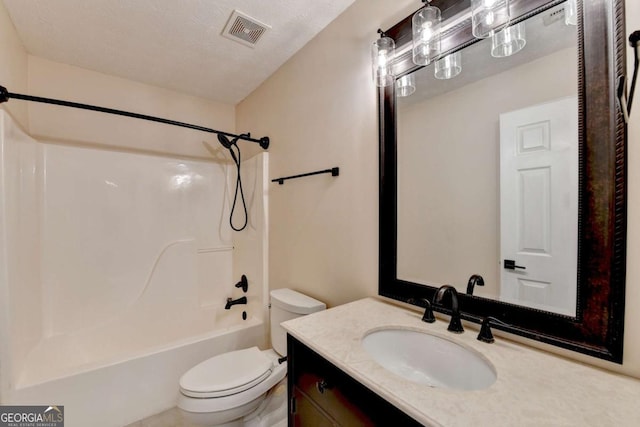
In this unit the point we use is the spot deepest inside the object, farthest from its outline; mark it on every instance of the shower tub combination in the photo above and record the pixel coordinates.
(114, 271)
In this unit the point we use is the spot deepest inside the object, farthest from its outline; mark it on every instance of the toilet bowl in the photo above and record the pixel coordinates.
(232, 388)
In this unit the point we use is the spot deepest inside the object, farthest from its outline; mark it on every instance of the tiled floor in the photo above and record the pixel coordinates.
(272, 413)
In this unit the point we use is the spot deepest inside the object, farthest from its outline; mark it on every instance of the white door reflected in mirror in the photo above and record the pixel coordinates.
(539, 205)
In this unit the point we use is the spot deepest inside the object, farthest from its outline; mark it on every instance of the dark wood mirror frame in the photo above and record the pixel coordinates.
(597, 329)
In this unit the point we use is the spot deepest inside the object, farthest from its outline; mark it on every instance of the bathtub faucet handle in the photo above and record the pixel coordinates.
(243, 283)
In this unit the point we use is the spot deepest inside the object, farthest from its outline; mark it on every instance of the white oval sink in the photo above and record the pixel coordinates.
(428, 359)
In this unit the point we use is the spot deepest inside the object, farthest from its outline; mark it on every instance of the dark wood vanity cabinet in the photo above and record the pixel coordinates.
(320, 395)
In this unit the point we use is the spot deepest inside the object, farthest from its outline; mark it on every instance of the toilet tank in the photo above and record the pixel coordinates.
(287, 304)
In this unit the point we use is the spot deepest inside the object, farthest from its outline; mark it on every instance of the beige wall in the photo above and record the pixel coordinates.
(13, 76)
(23, 73)
(13, 67)
(449, 192)
(320, 111)
(69, 125)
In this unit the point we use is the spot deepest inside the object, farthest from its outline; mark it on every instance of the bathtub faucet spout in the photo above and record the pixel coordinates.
(232, 302)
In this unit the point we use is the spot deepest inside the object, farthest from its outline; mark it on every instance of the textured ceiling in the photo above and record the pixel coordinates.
(175, 44)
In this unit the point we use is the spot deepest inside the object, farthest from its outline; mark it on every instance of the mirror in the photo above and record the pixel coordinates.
(471, 185)
(488, 169)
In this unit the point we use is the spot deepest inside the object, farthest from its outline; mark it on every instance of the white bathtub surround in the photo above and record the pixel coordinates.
(533, 388)
(115, 270)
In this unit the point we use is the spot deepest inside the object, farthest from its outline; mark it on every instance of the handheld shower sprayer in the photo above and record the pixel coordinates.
(224, 141)
(229, 145)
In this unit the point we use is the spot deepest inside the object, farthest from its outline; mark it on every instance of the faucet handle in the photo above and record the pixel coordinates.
(243, 283)
(455, 325)
(428, 311)
(485, 334)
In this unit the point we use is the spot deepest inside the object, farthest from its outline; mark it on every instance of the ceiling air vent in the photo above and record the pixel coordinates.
(244, 29)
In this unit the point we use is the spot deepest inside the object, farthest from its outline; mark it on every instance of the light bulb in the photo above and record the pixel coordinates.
(382, 55)
(426, 35)
(489, 17)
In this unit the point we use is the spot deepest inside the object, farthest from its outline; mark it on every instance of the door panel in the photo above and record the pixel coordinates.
(539, 205)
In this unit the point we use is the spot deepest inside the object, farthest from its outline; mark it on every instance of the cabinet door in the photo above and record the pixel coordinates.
(321, 393)
(308, 414)
(327, 392)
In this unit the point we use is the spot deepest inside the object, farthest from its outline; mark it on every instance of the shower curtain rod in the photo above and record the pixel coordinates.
(5, 95)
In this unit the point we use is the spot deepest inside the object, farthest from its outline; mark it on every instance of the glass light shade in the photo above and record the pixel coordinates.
(449, 66)
(509, 41)
(426, 34)
(406, 85)
(383, 51)
(489, 17)
(571, 12)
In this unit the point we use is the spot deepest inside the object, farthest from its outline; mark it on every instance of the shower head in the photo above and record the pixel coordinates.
(225, 141)
(227, 144)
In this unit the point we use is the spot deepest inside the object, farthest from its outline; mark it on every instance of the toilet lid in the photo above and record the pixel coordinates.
(226, 374)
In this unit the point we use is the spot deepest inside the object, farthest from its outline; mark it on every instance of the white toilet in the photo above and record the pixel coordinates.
(234, 388)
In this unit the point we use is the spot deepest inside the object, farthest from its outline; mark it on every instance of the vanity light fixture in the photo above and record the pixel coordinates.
(406, 85)
(509, 41)
(448, 67)
(488, 17)
(383, 51)
(426, 34)
(571, 12)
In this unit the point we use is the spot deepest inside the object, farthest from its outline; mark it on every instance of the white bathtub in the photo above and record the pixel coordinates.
(132, 386)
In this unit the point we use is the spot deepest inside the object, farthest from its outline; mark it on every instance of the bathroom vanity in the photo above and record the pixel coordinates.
(333, 378)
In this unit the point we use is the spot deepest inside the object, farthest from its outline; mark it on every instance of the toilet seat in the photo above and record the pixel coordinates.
(226, 374)
(277, 372)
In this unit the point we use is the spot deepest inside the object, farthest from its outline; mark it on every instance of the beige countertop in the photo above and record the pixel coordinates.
(533, 388)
